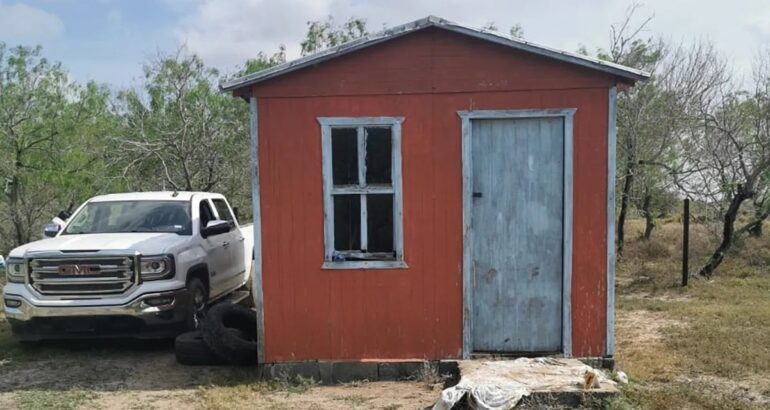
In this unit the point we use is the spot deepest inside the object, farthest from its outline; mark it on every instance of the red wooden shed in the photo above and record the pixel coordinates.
(431, 192)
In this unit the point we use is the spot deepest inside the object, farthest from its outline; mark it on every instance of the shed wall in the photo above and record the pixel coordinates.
(426, 77)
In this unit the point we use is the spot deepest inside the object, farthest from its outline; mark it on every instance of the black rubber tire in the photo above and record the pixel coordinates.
(196, 312)
(190, 349)
(219, 331)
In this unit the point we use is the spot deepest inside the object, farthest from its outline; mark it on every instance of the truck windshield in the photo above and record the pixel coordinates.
(132, 216)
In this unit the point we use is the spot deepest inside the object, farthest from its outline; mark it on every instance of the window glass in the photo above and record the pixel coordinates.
(132, 216)
(380, 222)
(223, 210)
(206, 215)
(347, 222)
(345, 156)
(378, 155)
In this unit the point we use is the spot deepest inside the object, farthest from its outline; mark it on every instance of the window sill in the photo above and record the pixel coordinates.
(365, 265)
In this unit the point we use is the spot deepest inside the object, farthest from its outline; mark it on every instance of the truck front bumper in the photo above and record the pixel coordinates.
(152, 315)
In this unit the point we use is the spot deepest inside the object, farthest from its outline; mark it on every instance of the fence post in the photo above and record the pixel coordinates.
(685, 241)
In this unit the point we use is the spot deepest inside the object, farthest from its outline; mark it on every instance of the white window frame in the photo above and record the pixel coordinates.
(360, 123)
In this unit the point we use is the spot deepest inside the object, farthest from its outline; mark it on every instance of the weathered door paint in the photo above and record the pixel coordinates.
(517, 228)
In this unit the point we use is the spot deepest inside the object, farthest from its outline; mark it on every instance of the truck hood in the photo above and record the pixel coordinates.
(147, 243)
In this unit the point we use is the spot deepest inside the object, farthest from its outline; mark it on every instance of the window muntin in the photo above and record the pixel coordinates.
(362, 190)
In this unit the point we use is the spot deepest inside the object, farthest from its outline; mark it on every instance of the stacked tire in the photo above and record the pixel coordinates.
(228, 335)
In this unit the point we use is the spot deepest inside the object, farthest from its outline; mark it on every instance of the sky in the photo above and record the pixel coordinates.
(108, 40)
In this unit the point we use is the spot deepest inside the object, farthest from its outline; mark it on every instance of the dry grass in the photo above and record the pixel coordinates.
(705, 346)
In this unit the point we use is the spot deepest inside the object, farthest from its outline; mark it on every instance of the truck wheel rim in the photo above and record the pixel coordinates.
(199, 300)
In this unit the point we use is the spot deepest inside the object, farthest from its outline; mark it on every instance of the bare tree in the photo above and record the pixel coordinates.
(726, 158)
(652, 115)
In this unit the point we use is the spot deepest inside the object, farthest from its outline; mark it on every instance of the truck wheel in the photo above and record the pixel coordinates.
(191, 350)
(231, 333)
(199, 296)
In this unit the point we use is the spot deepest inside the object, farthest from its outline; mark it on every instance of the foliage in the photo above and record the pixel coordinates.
(323, 34)
(52, 153)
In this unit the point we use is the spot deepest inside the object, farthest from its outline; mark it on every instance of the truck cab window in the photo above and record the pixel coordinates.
(223, 210)
(206, 214)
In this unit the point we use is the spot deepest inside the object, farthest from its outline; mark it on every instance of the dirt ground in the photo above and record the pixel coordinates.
(144, 375)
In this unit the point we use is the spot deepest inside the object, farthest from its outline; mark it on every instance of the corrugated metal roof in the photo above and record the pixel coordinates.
(432, 21)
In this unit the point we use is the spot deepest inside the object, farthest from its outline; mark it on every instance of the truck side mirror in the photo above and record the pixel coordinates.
(50, 230)
(216, 227)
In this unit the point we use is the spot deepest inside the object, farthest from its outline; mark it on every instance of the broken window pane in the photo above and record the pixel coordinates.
(347, 222)
(380, 222)
(344, 156)
(378, 155)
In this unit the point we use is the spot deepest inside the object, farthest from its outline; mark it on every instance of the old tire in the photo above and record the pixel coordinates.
(230, 331)
(190, 349)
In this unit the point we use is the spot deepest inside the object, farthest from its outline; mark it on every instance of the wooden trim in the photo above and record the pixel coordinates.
(256, 215)
(346, 122)
(370, 189)
(326, 171)
(567, 226)
(611, 160)
(467, 175)
(327, 124)
(361, 136)
(467, 181)
(364, 265)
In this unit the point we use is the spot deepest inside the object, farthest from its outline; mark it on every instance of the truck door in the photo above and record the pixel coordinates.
(234, 247)
(217, 257)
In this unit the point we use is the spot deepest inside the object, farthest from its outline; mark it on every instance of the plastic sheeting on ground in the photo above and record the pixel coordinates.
(501, 384)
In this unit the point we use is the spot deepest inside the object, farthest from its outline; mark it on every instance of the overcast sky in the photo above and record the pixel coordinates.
(107, 40)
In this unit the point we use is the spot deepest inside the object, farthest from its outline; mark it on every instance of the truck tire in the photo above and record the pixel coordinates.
(190, 349)
(235, 347)
(199, 295)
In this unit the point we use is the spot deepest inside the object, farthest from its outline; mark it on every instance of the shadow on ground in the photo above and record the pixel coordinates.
(104, 365)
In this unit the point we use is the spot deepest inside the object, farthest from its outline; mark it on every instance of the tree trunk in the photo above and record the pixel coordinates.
(625, 198)
(728, 232)
(649, 222)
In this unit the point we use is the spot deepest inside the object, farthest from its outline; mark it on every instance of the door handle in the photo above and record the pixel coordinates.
(225, 244)
(477, 195)
(241, 239)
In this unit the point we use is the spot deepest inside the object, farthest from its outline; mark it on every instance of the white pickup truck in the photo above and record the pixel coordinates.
(128, 265)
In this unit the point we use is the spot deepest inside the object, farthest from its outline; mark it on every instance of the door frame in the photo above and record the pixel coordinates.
(467, 186)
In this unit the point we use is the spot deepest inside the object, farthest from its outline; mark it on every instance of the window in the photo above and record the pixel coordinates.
(223, 210)
(362, 192)
(206, 215)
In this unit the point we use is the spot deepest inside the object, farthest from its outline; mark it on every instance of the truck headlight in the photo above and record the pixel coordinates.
(15, 271)
(157, 267)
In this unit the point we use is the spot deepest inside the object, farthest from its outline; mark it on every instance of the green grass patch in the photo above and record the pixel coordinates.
(49, 399)
(353, 399)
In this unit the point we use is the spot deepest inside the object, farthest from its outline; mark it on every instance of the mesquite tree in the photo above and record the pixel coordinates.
(726, 159)
(51, 142)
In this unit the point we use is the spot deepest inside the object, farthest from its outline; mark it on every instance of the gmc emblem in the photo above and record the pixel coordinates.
(78, 270)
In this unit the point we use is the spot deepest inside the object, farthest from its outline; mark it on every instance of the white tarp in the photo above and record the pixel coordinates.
(501, 384)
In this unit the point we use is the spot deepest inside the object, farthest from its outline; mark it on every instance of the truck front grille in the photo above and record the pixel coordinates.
(82, 275)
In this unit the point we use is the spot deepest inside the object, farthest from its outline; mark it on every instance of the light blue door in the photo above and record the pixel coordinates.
(517, 234)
